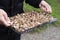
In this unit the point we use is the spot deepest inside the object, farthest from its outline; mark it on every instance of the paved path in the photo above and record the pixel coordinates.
(50, 33)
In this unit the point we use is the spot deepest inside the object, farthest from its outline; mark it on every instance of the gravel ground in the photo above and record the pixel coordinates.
(50, 33)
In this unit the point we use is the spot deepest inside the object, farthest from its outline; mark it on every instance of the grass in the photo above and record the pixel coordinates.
(55, 4)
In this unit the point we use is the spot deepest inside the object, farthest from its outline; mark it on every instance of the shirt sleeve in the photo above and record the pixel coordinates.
(34, 3)
(1, 7)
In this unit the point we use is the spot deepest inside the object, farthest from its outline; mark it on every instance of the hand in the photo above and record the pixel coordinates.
(4, 19)
(45, 7)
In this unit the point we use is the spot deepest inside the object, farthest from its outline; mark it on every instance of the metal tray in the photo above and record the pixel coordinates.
(29, 30)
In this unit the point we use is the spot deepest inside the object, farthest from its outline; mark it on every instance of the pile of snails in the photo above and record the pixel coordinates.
(25, 21)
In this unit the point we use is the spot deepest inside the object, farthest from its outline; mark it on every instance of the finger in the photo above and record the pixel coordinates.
(43, 8)
(6, 17)
(0, 22)
(49, 10)
(5, 22)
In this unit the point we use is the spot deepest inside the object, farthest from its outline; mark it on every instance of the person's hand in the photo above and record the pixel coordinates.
(45, 7)
(4, 19)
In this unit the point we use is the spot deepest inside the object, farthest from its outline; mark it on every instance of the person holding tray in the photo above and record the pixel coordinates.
(10, 8)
